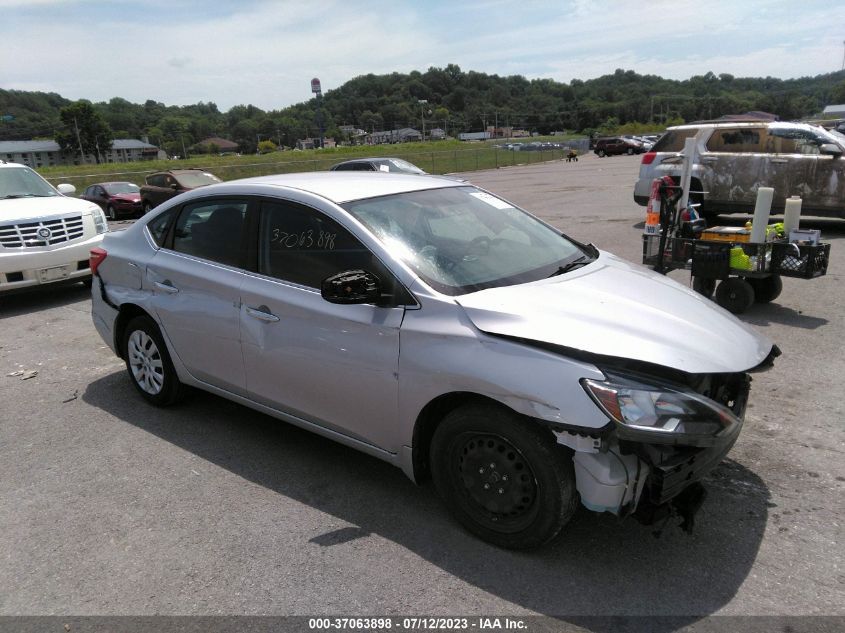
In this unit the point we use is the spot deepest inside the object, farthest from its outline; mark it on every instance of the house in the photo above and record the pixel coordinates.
(436, 134)
(311, 143)
(834, 112)
(402, 135)
(46, 153)
(222, 145)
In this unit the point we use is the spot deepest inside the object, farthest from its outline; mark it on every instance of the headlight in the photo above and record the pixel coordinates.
(662, 414)
(100, 222)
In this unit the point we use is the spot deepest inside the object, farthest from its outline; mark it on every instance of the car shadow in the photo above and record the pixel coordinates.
(601, 566)
(29, 301)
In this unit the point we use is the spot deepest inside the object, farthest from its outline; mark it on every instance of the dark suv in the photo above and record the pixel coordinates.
(617, 145)
(163, 185)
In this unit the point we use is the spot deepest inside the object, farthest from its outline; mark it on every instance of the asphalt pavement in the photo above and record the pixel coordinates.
(109, 506)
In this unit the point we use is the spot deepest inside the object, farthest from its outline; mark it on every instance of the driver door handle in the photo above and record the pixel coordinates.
(166, 286)
(262, 313)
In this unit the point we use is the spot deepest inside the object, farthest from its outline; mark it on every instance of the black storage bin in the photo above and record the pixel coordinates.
(799, 260)
(711, 260)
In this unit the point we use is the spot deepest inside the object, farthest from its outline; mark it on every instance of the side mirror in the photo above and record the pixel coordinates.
(175, 187)
(830, 149)
(350, 287)
(66, 189)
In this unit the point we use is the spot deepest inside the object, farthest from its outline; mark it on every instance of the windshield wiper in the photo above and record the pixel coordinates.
(23, 195)
(583, 260)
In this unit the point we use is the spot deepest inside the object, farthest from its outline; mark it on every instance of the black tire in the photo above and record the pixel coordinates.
(704, 286)
(148, 363)
(601, 153)
(630, 151)
(481, 451)
(111, 213)
(766, 289)
(735, 295)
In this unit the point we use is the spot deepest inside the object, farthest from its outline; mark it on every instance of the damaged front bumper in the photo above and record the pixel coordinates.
(650, 473)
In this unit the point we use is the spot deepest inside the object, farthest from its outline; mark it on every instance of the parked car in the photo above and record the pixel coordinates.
(164, 185)
(115, 198)
(535, 372)
(616, 145)
(392, 165)
(45, 235)
(734, 159)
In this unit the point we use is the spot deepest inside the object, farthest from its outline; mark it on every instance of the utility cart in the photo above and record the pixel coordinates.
(737, 272)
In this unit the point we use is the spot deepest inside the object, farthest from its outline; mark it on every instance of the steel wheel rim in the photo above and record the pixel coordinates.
(495, 480)
(145, 362)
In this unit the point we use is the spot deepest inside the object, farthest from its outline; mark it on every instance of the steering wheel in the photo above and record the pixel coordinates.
(479, 245)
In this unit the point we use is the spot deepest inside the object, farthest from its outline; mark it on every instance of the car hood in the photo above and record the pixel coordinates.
(129, 197)
(19, 209)
(614, 308)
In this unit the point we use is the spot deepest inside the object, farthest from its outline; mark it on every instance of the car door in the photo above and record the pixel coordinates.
(332, 365)
(731, 165)
(196, 279)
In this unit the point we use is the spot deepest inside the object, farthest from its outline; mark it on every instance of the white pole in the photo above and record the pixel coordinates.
(690, 155)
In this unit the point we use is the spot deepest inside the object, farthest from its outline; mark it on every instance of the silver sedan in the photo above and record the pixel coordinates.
(440, 328)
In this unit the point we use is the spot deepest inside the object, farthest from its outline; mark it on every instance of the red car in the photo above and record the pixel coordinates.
(115, 198)
(163, 185)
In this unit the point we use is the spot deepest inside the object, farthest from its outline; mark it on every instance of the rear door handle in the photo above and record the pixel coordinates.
(166, 286)
(777, 160)
(262, 313)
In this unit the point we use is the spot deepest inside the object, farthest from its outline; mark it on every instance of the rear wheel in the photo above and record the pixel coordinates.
(704, 286)
(502, 477)
(601, 153)
(735, 295)
(766, 289)
(630, 151)
(149, 364)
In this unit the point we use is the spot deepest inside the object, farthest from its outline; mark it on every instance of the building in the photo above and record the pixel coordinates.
(402, 135)
(834, 112)
(223, 146)
(48, 153)
(312, 143)
(436, 134)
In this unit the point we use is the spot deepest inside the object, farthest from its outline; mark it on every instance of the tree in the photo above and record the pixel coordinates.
(266, 147)
(86, 128)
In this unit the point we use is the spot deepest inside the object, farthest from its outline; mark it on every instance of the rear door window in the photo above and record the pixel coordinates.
(213, 230)
(738, 140)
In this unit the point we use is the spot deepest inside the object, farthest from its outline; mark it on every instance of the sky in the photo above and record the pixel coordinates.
(180, 52)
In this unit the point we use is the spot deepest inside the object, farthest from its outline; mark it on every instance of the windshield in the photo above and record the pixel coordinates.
(198, 179)
(461, 239)
(121, 187)
(22, 182)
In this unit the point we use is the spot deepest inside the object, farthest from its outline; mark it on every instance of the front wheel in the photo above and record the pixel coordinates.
(149, 364)
(147, 208)
(502, 477)
(630, 151)
(601, 153)
(110, 211)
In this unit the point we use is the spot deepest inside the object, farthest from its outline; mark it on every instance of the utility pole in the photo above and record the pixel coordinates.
(843, 58)
(79, 140)
(422, 103)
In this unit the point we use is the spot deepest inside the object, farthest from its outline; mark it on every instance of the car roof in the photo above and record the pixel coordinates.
(342, 186)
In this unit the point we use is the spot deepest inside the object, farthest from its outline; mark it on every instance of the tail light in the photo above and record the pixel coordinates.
(97, 257)
(648, 158)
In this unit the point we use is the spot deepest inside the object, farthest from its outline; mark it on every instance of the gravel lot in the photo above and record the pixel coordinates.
(108, 506)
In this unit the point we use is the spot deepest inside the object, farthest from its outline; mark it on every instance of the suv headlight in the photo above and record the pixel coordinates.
(662, 414)
(100, 222)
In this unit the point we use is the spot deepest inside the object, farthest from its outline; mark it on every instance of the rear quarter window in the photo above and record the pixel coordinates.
(673, 140)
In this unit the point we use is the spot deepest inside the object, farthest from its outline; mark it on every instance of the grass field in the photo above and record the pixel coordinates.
(437, 157)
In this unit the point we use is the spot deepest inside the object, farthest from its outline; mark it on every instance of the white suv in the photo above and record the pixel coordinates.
(735, 158)
(45, 236)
